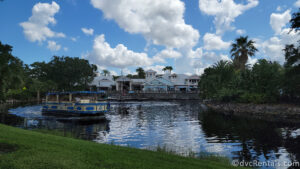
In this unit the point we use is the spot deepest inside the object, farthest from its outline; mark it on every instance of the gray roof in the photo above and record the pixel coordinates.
(194, 77)
(150, 70)
(138, 80)
(123, 79)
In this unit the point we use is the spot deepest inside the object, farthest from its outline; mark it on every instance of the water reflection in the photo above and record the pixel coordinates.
(180, 126)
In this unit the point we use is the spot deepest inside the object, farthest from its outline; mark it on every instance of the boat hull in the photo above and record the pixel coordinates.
(76, 108)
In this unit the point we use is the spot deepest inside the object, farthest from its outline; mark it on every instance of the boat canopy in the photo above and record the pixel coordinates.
(77, 92)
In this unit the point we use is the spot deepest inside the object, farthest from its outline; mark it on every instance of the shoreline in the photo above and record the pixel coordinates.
(270, 112)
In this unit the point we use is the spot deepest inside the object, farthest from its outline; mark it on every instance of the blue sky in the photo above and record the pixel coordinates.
(189, 35)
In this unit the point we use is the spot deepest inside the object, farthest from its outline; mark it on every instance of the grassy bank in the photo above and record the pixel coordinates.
(28, 149)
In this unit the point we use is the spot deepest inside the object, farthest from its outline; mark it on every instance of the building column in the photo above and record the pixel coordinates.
(117, 86)
(130, 85)
(70, 97)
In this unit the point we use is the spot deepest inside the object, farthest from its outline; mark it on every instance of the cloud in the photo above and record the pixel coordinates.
(240, 31)
(120, 57)
(161, 22)
(225, 12)
(36, 28)
(197, 60)
(279, 8)
(297, 4)
(166, 53)
(278, 21)
(273, 47)
(87, 31)
(74, 39)
(53, 46)
(157, 68)
(214, 42)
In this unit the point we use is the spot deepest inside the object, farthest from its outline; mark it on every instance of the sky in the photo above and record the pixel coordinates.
(121, 35)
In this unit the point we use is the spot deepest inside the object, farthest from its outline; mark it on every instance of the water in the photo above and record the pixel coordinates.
(178, 126)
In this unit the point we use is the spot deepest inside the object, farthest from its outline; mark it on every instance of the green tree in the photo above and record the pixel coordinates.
(11, 71)
(292, 64)
(141, 73)
(170, 68)
(241, 49)
(105, 72)
(216, 80)
(68, 73)
(265, 82)
(295, 21)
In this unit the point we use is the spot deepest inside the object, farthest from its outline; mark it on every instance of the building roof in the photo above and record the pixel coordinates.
(159, 81)
(123, 79)
(106, 79)
(150, 71)
(194, 77)
(138, 80)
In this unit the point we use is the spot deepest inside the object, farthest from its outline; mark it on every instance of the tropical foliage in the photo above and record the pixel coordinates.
(170, 68)
(261, 84)
(19, 81)
(241, 50)
(264, 82)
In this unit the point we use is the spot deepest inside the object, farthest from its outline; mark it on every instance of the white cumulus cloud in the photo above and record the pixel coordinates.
(225, 12)
(166, 53)
(36, 28)
(159, 21)
(279, 20)
(297, 4)
(88, 31)
(241, 31)
(214, 42)
(53, 46)
(273, 47)
(120, 57)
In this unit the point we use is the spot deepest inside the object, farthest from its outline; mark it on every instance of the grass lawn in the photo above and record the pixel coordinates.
(23, 149)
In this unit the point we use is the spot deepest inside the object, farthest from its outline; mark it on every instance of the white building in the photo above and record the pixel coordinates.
(104, 83)
(152, 82)
(170, 82)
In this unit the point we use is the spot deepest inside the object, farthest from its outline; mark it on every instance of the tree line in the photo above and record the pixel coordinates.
(22, 81)
(264, 82)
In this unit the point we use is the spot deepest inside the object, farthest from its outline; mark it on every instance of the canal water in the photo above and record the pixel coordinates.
(183, 127)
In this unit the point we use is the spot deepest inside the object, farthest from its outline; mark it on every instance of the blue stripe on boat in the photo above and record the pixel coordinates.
(90, 108)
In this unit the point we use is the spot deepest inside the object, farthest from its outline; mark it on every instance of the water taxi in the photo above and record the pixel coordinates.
(76, 103)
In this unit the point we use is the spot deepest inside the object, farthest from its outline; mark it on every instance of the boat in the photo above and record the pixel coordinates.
(76, 103)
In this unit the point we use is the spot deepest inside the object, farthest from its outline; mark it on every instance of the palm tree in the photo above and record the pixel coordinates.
(141, 73)
(168, 68)
(105, 72)
(240, 50)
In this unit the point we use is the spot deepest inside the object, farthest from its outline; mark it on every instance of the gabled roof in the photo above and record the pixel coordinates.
(123, 79)
(150, 71)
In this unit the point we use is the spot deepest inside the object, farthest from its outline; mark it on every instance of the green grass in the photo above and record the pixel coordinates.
(34, 150)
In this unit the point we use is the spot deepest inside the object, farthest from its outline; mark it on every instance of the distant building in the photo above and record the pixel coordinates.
(153, 82)
(103, 83)
(170, 82)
